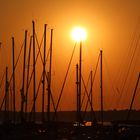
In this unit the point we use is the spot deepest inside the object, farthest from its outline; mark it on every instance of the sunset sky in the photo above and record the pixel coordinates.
(110, 26)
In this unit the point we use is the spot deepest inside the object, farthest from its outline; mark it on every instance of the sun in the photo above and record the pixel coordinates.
(78, 34)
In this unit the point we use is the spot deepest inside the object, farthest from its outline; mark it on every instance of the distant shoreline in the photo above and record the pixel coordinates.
(68, 116)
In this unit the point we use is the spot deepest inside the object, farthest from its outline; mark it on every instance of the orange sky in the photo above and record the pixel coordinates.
(110, 25)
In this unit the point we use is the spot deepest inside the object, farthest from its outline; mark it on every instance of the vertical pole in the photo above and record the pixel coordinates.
(44, 71)
(28, 70)
(14, 96)
(80, 79)
(101, 86)
(91, 93)
(50, 71)
(6, 96)
(23, 79)
(77, 92)
(10, 103)
(34, 74)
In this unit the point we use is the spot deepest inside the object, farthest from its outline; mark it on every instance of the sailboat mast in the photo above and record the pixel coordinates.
(34, 75)
(14, 96)
(23, 79)
(50, 71)
(77, 92)
(28, 70)
(91, 91)
(44, 72)
(101, 86)
(6, 96)
(80, 79)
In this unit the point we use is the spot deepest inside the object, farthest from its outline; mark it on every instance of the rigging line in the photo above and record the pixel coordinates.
(63, 85)
(86, 103)
(93, 79)
(133, 42)
(133, 55)
(129, 50)
(85, 91)
(35, 64)
(51, 94)
(88, 96)
(127, 73)
(37, 92)
(29, 51)
(2, 102)
(96, 67)
(133, 97)
(12, 74)
(111, 81)
(39, 48)
(39, 52)
(16, 62)
(37, 58)
(36, 95)
(134, 68)
(28, 70)
(2, 79)
(95, 70)
(109, 76)
(53, 102)
(45, 62)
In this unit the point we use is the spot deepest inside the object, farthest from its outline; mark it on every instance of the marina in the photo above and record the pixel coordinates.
(46, 124)
(69, 70)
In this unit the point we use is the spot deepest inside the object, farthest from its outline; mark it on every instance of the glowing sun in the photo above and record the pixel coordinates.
(79, 34)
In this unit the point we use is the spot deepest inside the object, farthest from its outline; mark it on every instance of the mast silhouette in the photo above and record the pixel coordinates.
(80, 82)
(91, 82)
(27, 83)
(14, 96)
(77, 92)
(44, 72)
(34, 75)
(23, 79)
(6, 118)
(49, 78)
(101, 87)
